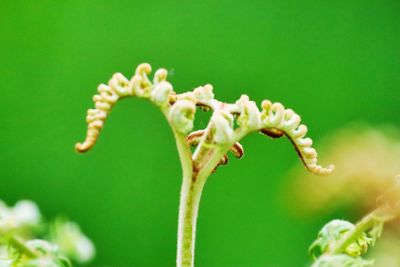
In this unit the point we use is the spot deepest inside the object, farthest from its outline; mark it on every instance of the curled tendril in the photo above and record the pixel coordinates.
(249, 117)
(223, 126)
(193, 139)
(278, 121)
(204, 94)
(140, 83)
(331, 234)
(273, 120)
(108, 95)
(120, 87)
(182, 115)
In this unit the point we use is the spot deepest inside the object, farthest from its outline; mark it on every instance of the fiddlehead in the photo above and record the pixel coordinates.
(120, 87)
(193, 139)
(341, 243)
(278, 121)
(211, 144)
(274, 120)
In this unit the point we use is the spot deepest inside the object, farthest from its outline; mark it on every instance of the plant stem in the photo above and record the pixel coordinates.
(20, 246)
(189, 205)
(195, 169)
(188, 210)
(191, 191)
(192, 188)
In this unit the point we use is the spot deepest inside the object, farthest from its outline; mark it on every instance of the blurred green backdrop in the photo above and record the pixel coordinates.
(332, 61)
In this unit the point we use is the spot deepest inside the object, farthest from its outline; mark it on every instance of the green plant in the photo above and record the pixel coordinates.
(26, 240)
(229, 123)
(341, 243)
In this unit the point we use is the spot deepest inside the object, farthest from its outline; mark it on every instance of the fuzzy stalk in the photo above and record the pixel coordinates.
(193, 183)
(191, 191)
(189, 206)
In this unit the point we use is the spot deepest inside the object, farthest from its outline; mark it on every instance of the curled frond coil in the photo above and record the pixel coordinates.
(333, 232)
(120, 87)
(278, 121)
(273, 119)
(193, 139)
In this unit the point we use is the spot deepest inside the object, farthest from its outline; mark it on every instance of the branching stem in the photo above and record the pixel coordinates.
(220, 136)
(191, 191)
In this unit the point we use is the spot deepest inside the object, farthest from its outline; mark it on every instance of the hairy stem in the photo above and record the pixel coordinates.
(189, 205)
(188, 210)
(185, 155)
(191, 191)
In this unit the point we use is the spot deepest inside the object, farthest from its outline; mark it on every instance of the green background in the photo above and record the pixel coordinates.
(333, 62)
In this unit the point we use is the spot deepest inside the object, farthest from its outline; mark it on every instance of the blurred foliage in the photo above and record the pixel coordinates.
(331, 61)
(26, 240)
(386, 252)
(367, 160)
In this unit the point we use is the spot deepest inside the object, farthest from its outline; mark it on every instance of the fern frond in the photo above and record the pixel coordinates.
(278, 121)
(273, 119)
